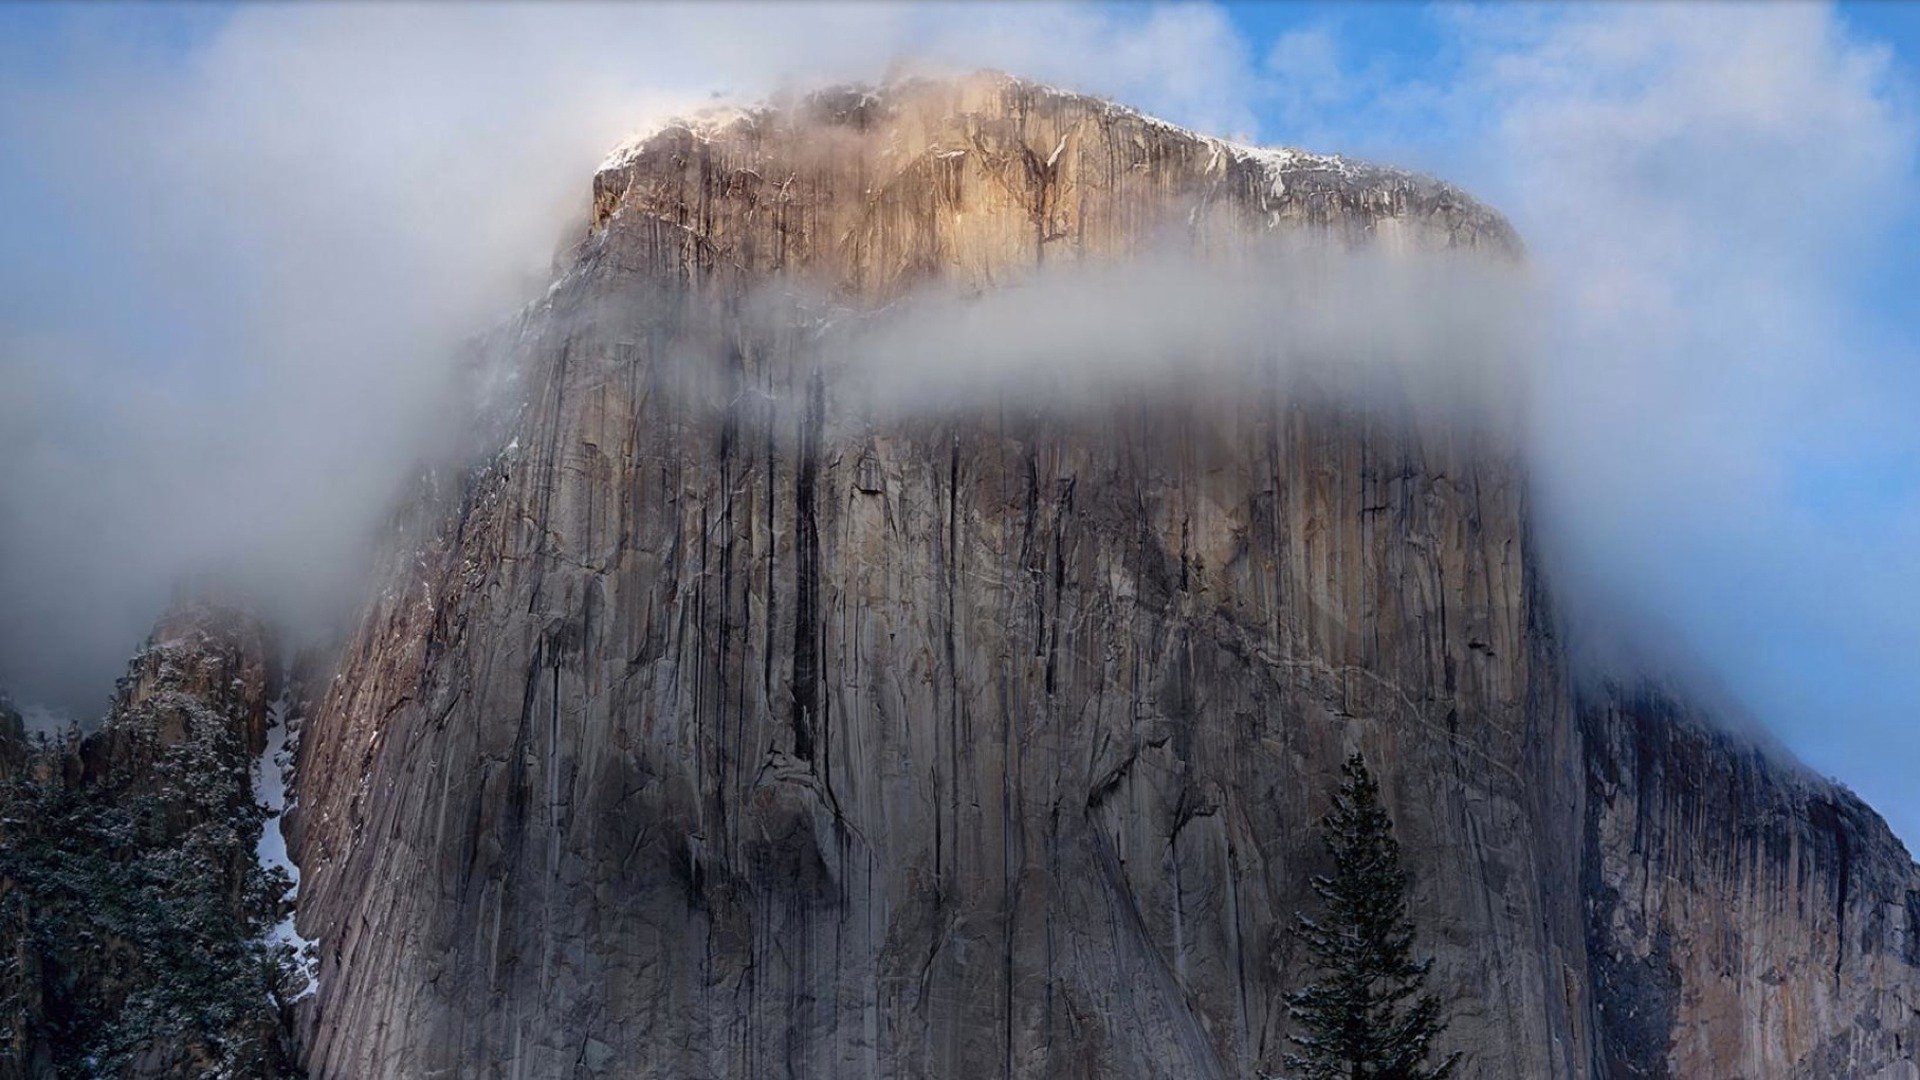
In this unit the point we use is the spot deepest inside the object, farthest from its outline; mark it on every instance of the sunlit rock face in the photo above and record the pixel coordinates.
(720, 726)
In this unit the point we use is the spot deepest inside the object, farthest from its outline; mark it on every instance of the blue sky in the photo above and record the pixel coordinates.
(234, 232)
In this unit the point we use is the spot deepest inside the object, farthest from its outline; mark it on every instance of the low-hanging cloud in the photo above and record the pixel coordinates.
(1709, 193)
(1725, 420)
(239, 268)
(1450, 332)
(1725, 428)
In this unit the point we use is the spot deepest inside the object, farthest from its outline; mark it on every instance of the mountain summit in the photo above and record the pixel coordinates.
(718, 725)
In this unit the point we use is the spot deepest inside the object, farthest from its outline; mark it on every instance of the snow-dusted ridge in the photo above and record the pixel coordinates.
(1279, 164)
(702, 124)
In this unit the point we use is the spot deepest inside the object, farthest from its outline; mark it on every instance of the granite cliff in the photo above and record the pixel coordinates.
(713, 724)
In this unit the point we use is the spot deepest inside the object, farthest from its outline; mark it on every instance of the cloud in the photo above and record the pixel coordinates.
(1726, 432)
(1309, 73)
(244, 250)
(1445, 334)
(1712, 193)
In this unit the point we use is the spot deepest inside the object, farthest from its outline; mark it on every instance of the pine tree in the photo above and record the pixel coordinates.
(1366, 1015)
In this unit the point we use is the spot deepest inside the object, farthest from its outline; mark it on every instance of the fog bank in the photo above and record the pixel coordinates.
(251, 241)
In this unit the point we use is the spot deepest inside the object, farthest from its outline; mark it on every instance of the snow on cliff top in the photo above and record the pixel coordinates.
(704, 123)
(710, 121)
(1282, 168)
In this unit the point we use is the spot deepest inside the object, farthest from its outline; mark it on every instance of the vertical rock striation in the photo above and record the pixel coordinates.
(719, 726)
(1745, 918)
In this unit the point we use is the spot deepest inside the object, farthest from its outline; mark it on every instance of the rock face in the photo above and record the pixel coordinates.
(1744, 918)
(719, 727)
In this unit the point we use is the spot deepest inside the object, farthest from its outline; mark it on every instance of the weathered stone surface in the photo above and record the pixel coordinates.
(718, 727)
(1745, 919)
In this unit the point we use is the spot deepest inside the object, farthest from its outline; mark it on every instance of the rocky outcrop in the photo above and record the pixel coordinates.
(721, 726)
(1744, 917)
(135, 908)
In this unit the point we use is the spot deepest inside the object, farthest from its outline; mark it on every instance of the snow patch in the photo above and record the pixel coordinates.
(270, 775)
(1054, 158)
(702, 124)
(1276, 163)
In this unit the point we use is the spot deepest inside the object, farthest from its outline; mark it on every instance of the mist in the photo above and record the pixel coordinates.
(1448, 333)
(252, 242)
(1727, 420)
(248, 256)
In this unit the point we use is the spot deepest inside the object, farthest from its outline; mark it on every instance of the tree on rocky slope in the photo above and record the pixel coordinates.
(1366, 1015)
(135, 915)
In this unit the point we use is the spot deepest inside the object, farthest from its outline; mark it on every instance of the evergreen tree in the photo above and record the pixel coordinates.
(1366, 1015)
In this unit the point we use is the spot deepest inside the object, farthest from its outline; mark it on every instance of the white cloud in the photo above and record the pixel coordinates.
(1727, 434)
(1711, 190)
(1446, 333)
(258, 252)
(1308, 74)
